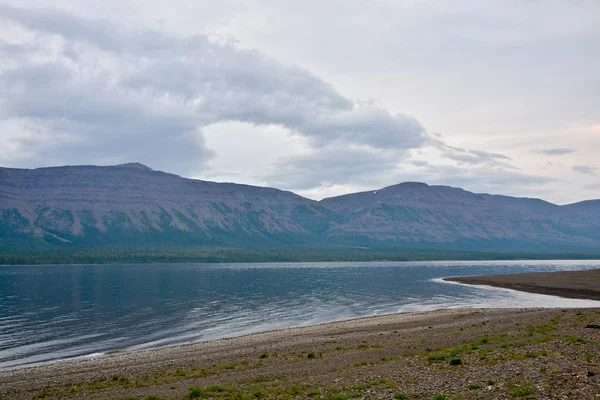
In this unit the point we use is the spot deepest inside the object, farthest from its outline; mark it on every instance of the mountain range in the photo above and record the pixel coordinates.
(133, 206)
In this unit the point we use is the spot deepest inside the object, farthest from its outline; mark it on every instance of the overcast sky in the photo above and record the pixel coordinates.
(319, 97)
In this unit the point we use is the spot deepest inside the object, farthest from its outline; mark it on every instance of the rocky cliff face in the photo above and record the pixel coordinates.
(133, 205)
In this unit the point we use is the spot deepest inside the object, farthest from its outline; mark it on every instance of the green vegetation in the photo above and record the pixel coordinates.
(521, 391)
(114, 253)
(195, 393)
(483, 346)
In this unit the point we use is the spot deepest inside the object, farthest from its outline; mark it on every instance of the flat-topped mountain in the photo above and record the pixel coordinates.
(133, 205)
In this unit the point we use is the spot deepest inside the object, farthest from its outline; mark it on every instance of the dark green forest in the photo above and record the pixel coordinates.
(114, 255)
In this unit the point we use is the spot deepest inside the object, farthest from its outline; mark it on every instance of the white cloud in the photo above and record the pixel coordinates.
(145, 95)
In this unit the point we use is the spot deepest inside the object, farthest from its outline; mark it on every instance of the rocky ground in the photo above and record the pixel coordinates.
(449, 354)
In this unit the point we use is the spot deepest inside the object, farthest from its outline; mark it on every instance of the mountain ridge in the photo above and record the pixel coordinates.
(133, 205)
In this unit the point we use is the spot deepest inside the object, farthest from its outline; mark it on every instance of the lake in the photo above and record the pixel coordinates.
(56, 312)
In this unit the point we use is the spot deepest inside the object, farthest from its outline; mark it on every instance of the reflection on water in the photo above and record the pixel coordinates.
(57, 312)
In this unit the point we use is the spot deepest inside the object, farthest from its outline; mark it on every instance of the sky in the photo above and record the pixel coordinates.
(319, 97)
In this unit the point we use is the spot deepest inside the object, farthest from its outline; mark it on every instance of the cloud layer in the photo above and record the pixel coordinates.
(92, 90)
(555, 151)
(76, 90)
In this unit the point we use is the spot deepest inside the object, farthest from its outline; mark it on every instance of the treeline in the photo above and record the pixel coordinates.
(255, 255)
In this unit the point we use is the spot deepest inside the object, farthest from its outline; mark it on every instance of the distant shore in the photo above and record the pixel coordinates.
(569, 284)
(461, 353)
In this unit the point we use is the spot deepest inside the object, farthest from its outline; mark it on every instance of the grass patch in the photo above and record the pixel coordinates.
(194, 393)
(484, 340)
(574, 339)
(521, 391)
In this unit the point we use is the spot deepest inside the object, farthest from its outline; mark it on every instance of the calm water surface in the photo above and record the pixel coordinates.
(55, 312)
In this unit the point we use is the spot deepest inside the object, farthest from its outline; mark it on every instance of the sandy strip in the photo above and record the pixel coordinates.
(569, 284)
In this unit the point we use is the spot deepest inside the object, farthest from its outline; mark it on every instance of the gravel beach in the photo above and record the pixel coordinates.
(571, 284)
(460, 353)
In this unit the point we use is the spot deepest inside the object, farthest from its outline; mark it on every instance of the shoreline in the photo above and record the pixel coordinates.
(470, 281)
(567, 284)
(449, 280)
(377, 356)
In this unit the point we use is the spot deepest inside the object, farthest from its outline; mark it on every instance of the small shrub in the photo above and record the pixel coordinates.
(43, 395)
(195, 393)
(240, 396)
(474, 386)
(340, 396)
(440, 396)
(264, 355)
(294, 390)
(455, 361)
(521, 391)
(574, 339)
(400, 396)
(436, 357)
(261, 379)
(311, 355)
(215, 388)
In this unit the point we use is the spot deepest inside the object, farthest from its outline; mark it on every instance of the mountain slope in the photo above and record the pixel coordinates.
(132, 205)
(437, 215)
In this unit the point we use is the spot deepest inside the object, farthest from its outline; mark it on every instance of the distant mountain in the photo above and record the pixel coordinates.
(443, 216)
(131, 205)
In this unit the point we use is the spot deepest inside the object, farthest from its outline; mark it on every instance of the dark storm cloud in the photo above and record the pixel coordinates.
(96, 91)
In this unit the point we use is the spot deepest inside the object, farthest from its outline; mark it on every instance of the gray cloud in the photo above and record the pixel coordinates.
(333, 165)
(466, 156)
(585, 170)
(555, 152)
(100, 91)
